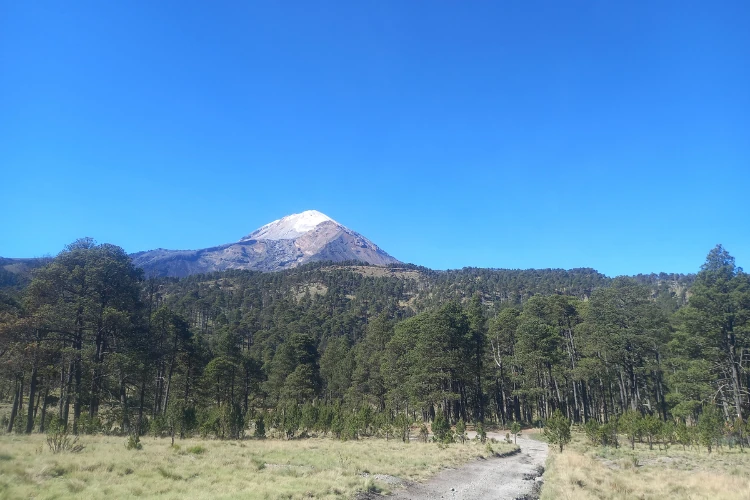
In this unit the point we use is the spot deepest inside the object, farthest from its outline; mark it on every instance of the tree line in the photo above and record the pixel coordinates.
(92, 345)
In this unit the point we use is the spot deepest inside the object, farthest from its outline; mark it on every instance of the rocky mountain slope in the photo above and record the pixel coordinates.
(282, 244)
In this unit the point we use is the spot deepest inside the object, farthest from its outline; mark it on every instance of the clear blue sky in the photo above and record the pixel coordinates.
(515, 134)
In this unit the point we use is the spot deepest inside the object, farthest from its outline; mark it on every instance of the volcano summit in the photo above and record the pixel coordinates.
(282, 244)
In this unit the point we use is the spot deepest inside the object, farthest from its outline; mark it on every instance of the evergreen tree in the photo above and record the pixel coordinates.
(557, 430)
(717, 317)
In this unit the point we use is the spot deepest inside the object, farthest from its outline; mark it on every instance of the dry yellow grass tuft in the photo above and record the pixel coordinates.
(310, 468)
(586, 472)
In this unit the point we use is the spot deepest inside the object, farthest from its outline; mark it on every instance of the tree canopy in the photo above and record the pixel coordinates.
(347, 348)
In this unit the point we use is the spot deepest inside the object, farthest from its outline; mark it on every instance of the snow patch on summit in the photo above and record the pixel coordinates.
(290, 227)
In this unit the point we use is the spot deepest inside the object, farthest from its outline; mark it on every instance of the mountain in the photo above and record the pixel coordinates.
(17, 272)
(282, 244)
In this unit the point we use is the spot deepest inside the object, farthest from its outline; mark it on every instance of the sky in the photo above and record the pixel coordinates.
(505, 134)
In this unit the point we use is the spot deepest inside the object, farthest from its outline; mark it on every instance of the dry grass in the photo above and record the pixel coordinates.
(311, 468)
(586, 472)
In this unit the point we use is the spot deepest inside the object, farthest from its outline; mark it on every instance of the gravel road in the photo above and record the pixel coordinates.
(510, 478)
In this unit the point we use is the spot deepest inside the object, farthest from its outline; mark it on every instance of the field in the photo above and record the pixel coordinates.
(584, 471)
(194, 468)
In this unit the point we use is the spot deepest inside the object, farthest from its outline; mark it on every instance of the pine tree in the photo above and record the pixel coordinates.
(557, 430)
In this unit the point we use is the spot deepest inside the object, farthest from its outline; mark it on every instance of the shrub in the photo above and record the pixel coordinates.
(19, 424)
(326, 416)
(683, 435)
(352, 427)
(402, 427)
(557, 429)
(309, 417)
(179, 419)
(667, 434)
(423, 433)
(371, 487)
(338, 424)
(89, 425)
(385, 426)
(441, 429)
(737, 433)
(461, 430)
(608, 434)
(42, 426)
(158, 426)
(515, 429)
(591, 429)
(260, 427)
(651, 428)
(710, 426)
(231, 421)
(365, 419)
(110, 419)
(208, 422)
(631, 462)
(481, 433)
(631, 424)
(226, 421)
(168, 474)
(142, 427)
(59, 440)
(133, 442)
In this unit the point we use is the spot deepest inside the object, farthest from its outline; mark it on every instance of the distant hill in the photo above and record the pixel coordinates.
(17, 272)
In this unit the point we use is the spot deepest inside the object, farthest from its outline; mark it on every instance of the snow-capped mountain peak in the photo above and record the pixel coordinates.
(290, 227)
(282, 244)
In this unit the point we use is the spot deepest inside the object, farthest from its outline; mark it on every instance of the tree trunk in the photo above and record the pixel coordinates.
(156, 409)
(187, 380)
(65, 402)
(96, 373)
(20, 397)
(142, 398)
(44, 408)
(32, 395)
(14, 411)
(38, 402)
(78, 396)
(78, 346)
(169, 384)
(125, 423)
(586, 402)
(736, 384)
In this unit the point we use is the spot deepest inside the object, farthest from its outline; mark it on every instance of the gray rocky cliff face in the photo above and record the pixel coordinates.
(288, 242)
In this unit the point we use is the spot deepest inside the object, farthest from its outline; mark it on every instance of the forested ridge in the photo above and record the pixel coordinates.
(351, 349)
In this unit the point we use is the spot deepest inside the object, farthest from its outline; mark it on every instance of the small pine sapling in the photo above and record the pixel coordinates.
(481, 433)
(557, 429)
(710, 427)
(461, 430)
(652, 429)
(515, 429)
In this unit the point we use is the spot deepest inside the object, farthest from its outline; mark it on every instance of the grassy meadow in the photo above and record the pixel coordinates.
(195, 468)
(584, 471)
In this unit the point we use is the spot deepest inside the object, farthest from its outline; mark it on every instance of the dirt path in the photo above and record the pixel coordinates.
(493, 478)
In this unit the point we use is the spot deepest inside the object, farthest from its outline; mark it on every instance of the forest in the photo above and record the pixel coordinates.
(89, 344)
